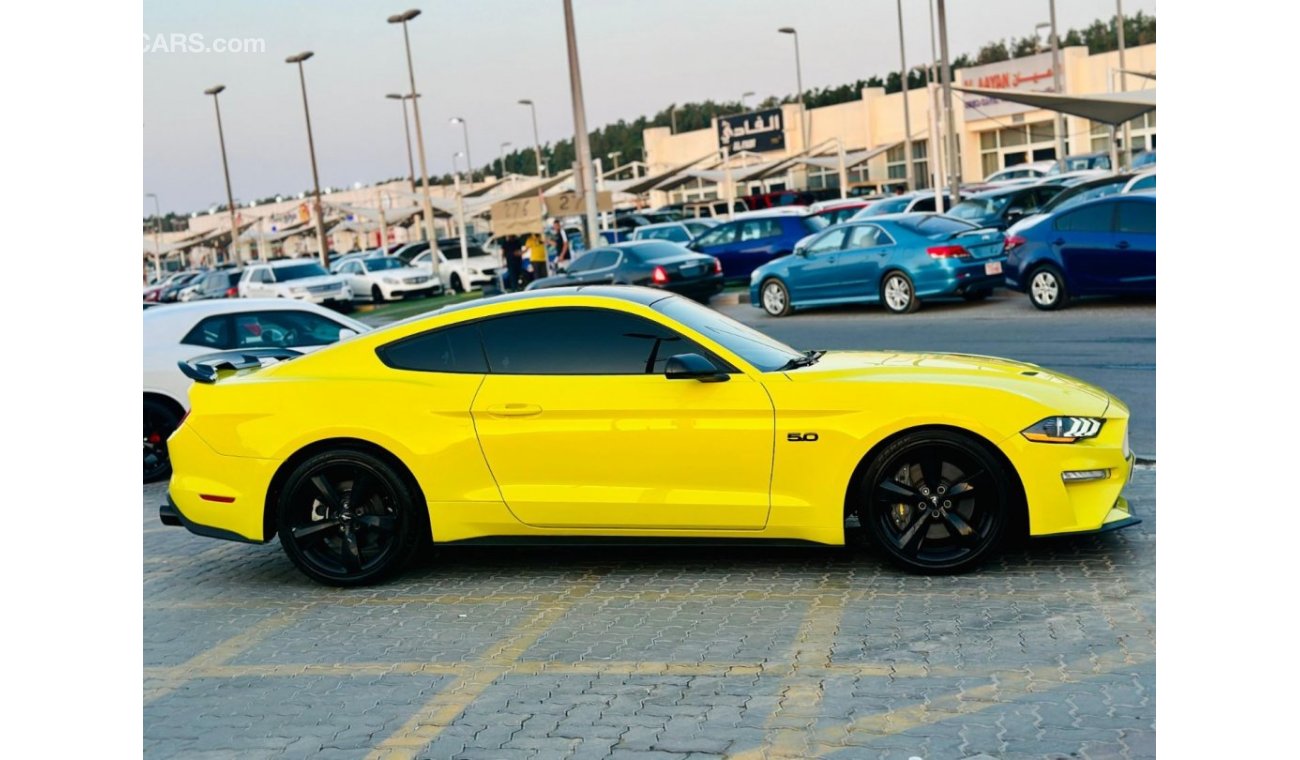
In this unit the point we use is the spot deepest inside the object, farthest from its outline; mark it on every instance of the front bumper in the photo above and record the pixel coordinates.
(1060, 507)
(415, 290)
(328, 298)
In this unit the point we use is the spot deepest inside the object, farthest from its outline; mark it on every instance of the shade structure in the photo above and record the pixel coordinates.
(1113, 108)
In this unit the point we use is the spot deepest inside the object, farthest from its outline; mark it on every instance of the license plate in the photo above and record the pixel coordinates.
(692, 270)
(993, 267)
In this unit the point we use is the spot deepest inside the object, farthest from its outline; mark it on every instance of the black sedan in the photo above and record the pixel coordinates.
(652, 263)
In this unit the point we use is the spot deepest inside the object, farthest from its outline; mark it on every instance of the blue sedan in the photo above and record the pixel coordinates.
(895, 260)
(1101, 247)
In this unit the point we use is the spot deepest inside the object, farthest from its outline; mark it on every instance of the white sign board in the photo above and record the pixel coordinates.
(1031, 74)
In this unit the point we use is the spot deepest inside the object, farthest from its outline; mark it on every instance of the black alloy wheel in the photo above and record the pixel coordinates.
(936, 502)
(345, 518)
(160, 421)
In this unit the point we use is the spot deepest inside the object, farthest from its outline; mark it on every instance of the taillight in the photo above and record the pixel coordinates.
(948, 252)
(232, 292)
(659, 276)
(717, 266)
(1012, 241)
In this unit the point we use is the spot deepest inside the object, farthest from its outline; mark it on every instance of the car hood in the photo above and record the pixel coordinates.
(1070, 395)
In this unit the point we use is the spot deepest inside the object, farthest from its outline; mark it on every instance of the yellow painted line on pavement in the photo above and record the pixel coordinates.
(174, 677)
(788, 728)
(450, 701)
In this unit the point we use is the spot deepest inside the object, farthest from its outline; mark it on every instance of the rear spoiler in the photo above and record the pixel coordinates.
(204, 368)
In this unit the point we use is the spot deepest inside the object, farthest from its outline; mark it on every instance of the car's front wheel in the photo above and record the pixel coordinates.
(346, 518)
(376, 294)
(936, 501)
(456, 286)
(775, 298)
(1047, 289)
(898, 294)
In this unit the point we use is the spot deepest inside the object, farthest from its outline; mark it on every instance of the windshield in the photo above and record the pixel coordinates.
(980, 208)
(376, 265)
(766, 354)
(299, 271)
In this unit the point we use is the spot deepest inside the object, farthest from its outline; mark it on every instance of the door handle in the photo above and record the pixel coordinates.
(514, 410)
(1122, 245)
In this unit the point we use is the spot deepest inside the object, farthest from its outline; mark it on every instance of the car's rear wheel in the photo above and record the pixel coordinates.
(936, 501)
(898, 295)
(160, 421)
(345, 518)
(1047, 289)
(775, 298)
(376, 294)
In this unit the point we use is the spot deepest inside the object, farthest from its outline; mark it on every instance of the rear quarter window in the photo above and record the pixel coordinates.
(456, 349)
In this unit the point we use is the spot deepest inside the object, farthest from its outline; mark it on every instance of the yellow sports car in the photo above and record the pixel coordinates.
(630, 413)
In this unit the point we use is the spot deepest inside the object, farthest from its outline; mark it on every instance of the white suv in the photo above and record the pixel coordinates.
(300, 279)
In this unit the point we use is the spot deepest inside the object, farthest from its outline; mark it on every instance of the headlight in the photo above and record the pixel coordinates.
(297, 291)
(392, 281)
(1063, 429)
(472, 270)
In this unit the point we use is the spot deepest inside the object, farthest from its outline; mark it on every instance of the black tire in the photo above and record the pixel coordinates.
(907, 510)
(376, 295)
(977, 295)
(328, 537)
(774, 297)
(897, 294)
(1046, 288)
(456, 286)
(160, 421)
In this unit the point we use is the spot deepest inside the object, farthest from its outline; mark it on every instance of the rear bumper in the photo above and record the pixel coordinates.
(214, 495)
(952, 278)
(698, 289)
(170, 514)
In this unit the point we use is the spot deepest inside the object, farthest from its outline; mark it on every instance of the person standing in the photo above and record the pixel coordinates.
(558, 242)
(511, 248)
(536, 256)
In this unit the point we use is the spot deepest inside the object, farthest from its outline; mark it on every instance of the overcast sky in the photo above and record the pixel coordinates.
(476, 59)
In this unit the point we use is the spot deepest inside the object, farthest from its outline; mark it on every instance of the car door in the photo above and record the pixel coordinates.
(858, 274)
(599, 266)
(582, 429)
(354, 274)
(1135, 245)
(720, 242)
(814, 270)
(1086, 247)
(757, 242)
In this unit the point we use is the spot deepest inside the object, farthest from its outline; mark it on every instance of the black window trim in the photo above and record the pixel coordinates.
(724, 366)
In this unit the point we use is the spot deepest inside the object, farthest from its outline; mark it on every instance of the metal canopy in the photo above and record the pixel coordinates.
(1112, 108)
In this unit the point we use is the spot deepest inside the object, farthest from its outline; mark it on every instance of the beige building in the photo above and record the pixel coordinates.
(991, 135)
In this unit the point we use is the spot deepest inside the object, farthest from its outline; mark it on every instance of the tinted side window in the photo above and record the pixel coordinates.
(1093, 218)
(283, 329)
(1137, 217)
(213, 332)
(925, 203)
(831, 241)
(759, 229)
(723, 234)
(604, 259)
(451, 349)
(867, 236)
(580, 342)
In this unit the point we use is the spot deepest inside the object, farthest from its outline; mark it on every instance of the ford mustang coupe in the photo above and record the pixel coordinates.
(628, 413)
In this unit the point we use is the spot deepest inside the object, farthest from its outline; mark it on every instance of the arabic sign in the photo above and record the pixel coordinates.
(1031, 74)
(755, 132)
(517, 217)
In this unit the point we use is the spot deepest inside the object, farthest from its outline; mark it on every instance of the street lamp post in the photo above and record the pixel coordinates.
(1056, 84)
(744, 95)
(460, 218)
(504, 145)
(798, 76)
(945, 78)
(469, 162)
(406, 128)
(232, 253)
(1123, 83)
(673, 115)
(157, 237)
(323, 247)
(907, 111)
(426, 208)
(537, 144)
(585, 184)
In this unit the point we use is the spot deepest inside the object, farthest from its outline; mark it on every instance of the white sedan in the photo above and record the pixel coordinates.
(299, 279)
(387, 278)
(179, 332)
(478, 268)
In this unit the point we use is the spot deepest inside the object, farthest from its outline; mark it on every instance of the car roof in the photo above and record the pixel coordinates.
(277, 263)
(995, 192)
(182, 316)
(657, 225)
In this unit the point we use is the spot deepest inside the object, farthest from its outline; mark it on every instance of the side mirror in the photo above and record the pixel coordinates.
(800, 251)
(693, 367)
(346, 332)
(1014, 213)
